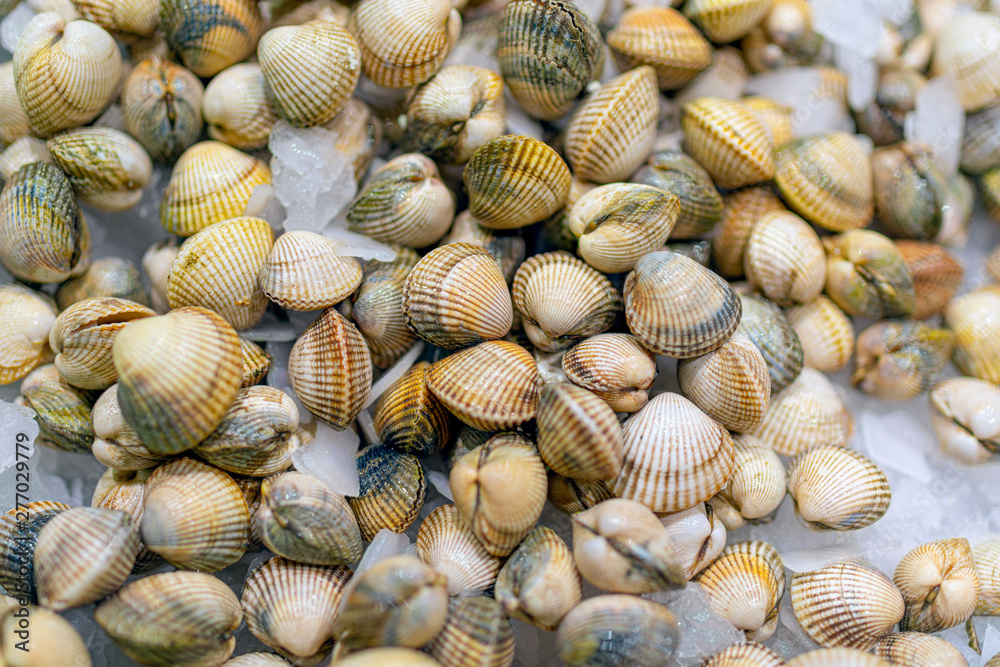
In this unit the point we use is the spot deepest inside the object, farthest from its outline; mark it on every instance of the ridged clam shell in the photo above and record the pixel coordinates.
(992, 264)
(730, 384)
(403, 45)
(825, 333)
(835, 488)
(827, 179)
(195, 516)
(301, 518)
(777, 118)
(784, 259)
(728, 140)
(310, 69)
(617, 224)
(572, 496)
(398, 657)
(82, 555)
(578, 433)
(672, 469)
(867, 276)
(939, 584)
(161, 103)
(847, 604)
(654, 292)
(237, 108)
(177, 375)
(377, 307)
(698, 536)
(727, 20)
(766, 325)
(192, 616)
(26, 318)
(18, 538)
(514, 181)
(617, 629)
(256, 660)
(561, 300)
(963, 416)
(910, 190)
(43, 235)
(899, 360)
(609, 135)
(54, 640)
(964, 48)
(125, 491)
(128, 18)
(807, 412)
(455, 296)
(75, 62)
(476, 633)
(331, 370)
(256, 363)
(918, 649)
(547, 76)
(989, 188)
(303, 271)
(13, 123)
(23, 151)
(393, 488)
(987, 558)
(116, 444)
(750, 654)
(837, 657)
(678, 174)
(105, 277)
(975, 319)
(936, 275)
(614, 366)
(106, 167)
(745, 585)
(507, 250)
(83, 335)
(980, 143)
(211, 35)
(756, 486)
(500, 490)
(662, 38)
(492, 386)
(62, 412)
(539, 583)
(449, 546)
(291, 607)
(410, 419)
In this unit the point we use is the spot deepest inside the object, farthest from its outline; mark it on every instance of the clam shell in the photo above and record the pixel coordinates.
(807, 412)
(377, 307)
(19, 531)
(847, 604)
(989, 188)
(13, 123)
(256, 660)
(539, 583)
(115, 444)
(578, 434)
(303, 271)
(910, 191)
(835, 488)
(784, 259)
(331, 370)
(939, 584)
(476, 632)
(867, 276)
(672, 469)
(237, 108)
(745, 585)
(756, 486)
(975, 318)
(899, 360)
(962, 412)
(614, 366)
(256, 363)
(211, 35)
(177, 375)
(617, 630)
(750, 654)
(825, 333)
(777, 118)
(398, 657)
(935, 272)
(987, 558)
(161, 104)
(125, 491)
(129, 19)
(449, 546)
(837, 657)
(492, 386)
(711, 309)
(21, 152)
(766, 325)
(106, 167)
(410, 419)
(992, 263)
(105, 277)
(964, 48)
(980, 145)
(393, 488)
(62, 412)
(507, 250)
(698, 536)
(662, 38)
(26, 318)
(728, 140)
(54, 640)
(918, 649)
(727, 20)
(571, 495)
(678, 174)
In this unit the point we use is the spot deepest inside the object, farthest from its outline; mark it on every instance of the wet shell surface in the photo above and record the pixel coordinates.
(745, 585)
(578, 433)
(116, 444)
(698, 536)
(237, 108)
(18, 539)
(256, 363)
(964, 416)
(617, 630)
(105, 277)
(835, 488)
(964, 48)
(571, 495)
(728, 140)
(211, 35)
(867, 276)
(917, 648)
(26, 318)
(899, 360)
(784, 259)
(449, 546)
(106, 167)
(662, 38)
(13, 123)
(756, 486)
(62, 412)
(975, 318)
(980, 145)
(393, 488)
(125, 490)
(837, 657)
(987, 558)
(807, 412)
(410, 419)
(741, 211)
(939, 584)
(476, 632)
(614, 366)
(23, 151)
(676, 173)
(750, 654)
(936, 275)
(539, 583)
(727, 20)
(303, 271)
(161, 104)
(377, 307)
(766, 325)
(825, 333)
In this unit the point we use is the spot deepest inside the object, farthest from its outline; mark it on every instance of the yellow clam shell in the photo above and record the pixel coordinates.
(211, 35)
(728, 140)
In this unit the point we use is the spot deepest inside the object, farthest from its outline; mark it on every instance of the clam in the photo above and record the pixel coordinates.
(785, 37)
(237, 108)
(500, 489)
(404, 202)
(211, 182)
(617, 224)
(578, 433)
(745, 585)
(672, 469)
(476, 632)
(157, 262)
(609, 135)
(989, 188)
(393, 488)
(846, 604)
(211, 35)
(980, 147)
(177, 375)
(825, 332)
(784, 259)
(513, 180)
(777, 118)
(835, 488)
(43, 235)
(310, 70)
(987, 558)
(974, 317)
(617, 630)
(125, 491)
(614, 366)
(964, 48)
(23, 151)
(807, 412)
(377, 307)
(935, 272)
(449, 546)
(660, 282)
(19, 531)
(727, 20)
(750, 654)
(678, 174)
(992, 263)
(698, 536)
(571, 495)
(128, 19)
(292, 606)
(53, 640)
(547, 76)
(62, 412)
(728, 140)
(410, 419)
(303, 271)
(867, 276)
(730, 384)
(331, 370)
(49, 61)
(756, 486)
(899, 360)
(837, 657)
(896, 95)
(398, 657)
(455, 296)
(827, 179)
(766, 325)
(724, 78)
(106, 167)
(964, 416)
(173, 618)
(663, 39)
(116, 444)
(13, 123)
(507, 250)
(539, 583)
(26, 318)
(939, 584)
(256, 363)
(105, 277)
(917, 649)
(256, 660)
(161, 103)
(910, 191)
(302, 519)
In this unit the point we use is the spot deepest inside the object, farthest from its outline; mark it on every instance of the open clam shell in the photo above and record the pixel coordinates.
(962, 414)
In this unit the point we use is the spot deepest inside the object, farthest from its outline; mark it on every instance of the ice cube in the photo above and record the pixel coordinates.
(442, 483)
(385, 543)
(15, 421)
(894, 440)
(938, 121)
(395, 372)
(331, 457)
(854, 24)
(703, 631)
(862, 77)
(358, 245)
(13, 25)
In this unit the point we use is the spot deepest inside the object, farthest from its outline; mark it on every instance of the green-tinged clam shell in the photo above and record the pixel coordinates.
(981, 141)
(681, 176)
(910, 191)
(867, 276)
(256, 363)
(106, 167)
(393, 487)
(377, 307)
(617, 630)
(161, 105)
(211, 35)
(108, 276)
(768, 327)
(409, 418)
(63, 412)
(897, 361)
(19, 530)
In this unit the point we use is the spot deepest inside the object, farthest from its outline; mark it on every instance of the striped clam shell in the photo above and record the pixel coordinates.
(403, 44)
(784, 259)
(867, 276)
(825, 333)
(987, 558)
(609, 135)
(835, 488)
(377, 307)
(727, 20)
(936, 275)
(539, 583)
(291, 606)
(515, 181)
(311, 70)
(917, 648)
(393, 488)
(980, 141)
(846, 604)
(678, 174)
(710, 314)
(965, 48)
(331, 370)
(614, 366)
(75, 62)
(827, 179)
(177, 375)
(62, 412)
(578, 433)
(211, 182)
(21, 152)
(728, 140)
(939, 584)
(750, 654)
(258, 660)
(256, 363)
(82, 555)
(617, 629)
(807, 412)
(492, 386)
(237, 108)
(26, 318)
(303, 271)
(572, 496)
(161, 103)
(18, 538)
(698, 536)
(408, 418)
(507, 250)
(837, 657)
(13, 123)
(116, 444)
(989, 188)
(974, 317)
(449, 546)
(745, 585)
(104, 277)
(756, 486)
(125, 491)
(899, 360)
(546, 76)
(500, 490)
(962, 412)
(663, 39)
(672, 469)
(476, 632)
(777, 118)
(106, 167)
(766, 325)
(126, 18)
(211, 35)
